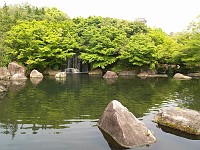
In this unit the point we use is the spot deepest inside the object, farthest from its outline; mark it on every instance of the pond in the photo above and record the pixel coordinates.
(62, 115)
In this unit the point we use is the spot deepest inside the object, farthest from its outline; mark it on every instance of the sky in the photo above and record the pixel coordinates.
(170, 15)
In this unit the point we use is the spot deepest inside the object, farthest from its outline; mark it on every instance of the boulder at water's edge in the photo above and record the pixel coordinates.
(110, 74)
(61, 75)
(14, 68)
(182, 119)
(123, 127)
(180, 76)
(36, 74)
(4, 73)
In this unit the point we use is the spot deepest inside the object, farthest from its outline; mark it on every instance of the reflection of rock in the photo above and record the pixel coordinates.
(35, 74)
(61, 80)
(110, 74)
(72, 70)
(17, 85)
(61, 75)
(110, 81)
(179, 133)
(4, 73)
(18, 76)
(95, 72)
(180, 76)
(5, 83)
(36, 81)
(182, 119)
(123, 127)
(14, 68)
(2, 95)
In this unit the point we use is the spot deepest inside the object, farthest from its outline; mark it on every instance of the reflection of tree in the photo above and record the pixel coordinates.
(52, 105)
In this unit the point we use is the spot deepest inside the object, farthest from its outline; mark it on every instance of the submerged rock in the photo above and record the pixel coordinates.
(182, 119)
(180, 76)
(110, 74)
(36, 74)
(123, 127)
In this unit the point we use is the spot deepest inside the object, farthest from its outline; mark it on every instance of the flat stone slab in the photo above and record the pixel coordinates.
(182, 119)
(123, 127)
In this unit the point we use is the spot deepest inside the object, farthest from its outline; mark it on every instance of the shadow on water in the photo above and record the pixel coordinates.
(179, 133)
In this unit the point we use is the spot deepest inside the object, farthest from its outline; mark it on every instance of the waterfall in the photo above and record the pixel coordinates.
(75, 65)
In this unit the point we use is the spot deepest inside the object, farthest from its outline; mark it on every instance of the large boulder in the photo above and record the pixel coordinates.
(14, 68)
(110, 74)
(182, 119)
(123, 127)
(36, 74)
(180, 76)
(61, 75)
(4, 73)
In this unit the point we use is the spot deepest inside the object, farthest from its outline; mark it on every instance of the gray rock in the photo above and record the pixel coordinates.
(95, 72)
(110, 74)
(127, 73)
(180, 76)
(182, 119)
(51, 72)
(14, 68)
(123, 127)
(4, 73)
(18, 76)
(72, 70)
(158, 76)
(36, 74)
(61, 75)
(196, 74)
(2, 88)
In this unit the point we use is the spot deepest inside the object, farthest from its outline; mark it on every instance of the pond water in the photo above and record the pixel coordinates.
(62, 115)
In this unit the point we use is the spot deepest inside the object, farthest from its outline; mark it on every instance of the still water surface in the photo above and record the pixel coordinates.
(62, 115)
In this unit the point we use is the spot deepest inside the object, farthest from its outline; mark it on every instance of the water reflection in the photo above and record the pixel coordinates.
(54, 107)
(178, 133)
(36, 81)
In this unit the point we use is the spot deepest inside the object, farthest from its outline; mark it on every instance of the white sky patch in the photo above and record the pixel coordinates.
(170, 15)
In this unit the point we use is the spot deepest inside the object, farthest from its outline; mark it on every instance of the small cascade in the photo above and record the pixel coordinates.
(75, 65)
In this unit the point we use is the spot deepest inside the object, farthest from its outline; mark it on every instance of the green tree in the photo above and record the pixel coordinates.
(41, 44)
(140, 51)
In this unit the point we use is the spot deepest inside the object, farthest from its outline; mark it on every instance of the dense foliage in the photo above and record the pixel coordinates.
(44, 38)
